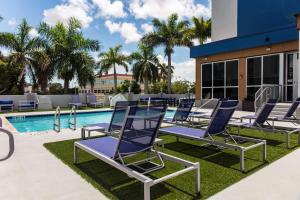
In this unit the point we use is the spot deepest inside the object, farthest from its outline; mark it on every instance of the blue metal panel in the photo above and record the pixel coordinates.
(258, 16)
(246, 42)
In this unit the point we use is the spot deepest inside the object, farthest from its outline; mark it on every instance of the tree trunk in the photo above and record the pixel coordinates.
(146, 84)
(169, 74)
(66, 85)
(44, 85)
(21, 85)
(115, 80)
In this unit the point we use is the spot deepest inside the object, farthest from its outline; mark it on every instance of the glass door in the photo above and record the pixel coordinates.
(291, 77)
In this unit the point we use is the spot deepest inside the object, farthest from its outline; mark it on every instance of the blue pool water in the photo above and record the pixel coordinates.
(45, 122)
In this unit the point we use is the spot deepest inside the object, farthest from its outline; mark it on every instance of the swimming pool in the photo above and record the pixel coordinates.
(45, 122)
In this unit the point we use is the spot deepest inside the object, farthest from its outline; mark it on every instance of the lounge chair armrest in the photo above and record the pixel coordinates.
(26, 102)
(249, 117)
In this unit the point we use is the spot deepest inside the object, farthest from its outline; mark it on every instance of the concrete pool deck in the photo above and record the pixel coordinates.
(32, 172)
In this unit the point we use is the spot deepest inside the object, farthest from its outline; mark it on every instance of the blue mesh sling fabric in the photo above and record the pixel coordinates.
(139, 130)
(75, 99)
(293, 108)
(119, 113)
(92, 98)
(265, 112)
(221, 117)
(219, 102)
(183, 110)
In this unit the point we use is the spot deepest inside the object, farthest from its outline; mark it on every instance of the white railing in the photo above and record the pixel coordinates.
(261, 96)
(72, 124)
(56, 120)
(265, 92)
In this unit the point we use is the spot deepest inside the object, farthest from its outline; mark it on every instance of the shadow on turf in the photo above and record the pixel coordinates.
(120, 185)
(210, 154)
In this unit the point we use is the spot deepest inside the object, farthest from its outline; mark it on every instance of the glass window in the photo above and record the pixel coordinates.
(289, 94)
(232, 73)
(218, 78)
(271, 69)
(206, 93)
(290, 66)
(207, 75)
(254, 71)
(232, 93)
(251, 93)
(218, 93)
(222, 81)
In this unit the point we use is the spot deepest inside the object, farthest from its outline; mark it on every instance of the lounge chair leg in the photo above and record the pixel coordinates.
(75, 154)
(177, 139)
(146, 191)
(287, 140)
(197, 178)
(242, 164)
(265, 151)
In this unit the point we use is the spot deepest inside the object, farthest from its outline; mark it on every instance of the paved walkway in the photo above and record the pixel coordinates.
(280, 180)
(34, 173)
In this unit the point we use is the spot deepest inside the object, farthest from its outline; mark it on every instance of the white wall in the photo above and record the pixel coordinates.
(224, 19)
(63, 100)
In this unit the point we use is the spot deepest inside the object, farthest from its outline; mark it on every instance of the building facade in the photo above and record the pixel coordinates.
(254, 44)
(105, 84)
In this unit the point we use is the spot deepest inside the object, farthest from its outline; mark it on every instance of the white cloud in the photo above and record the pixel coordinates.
(5, 51)
(143, 9)
(126, 53)
(108, 8)
(72, 8)
(207, 41)
(147, 28)
(12, 22)
(127, 30)
(184, 70)
(33, 33)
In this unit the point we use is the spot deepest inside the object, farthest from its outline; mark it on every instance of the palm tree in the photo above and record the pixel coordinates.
(68, 47)
(170, 33)
(21, 46)
(110, 59)
(163, 71)
(201, 29)
(86, 73)
(145, 66)
(43, 69)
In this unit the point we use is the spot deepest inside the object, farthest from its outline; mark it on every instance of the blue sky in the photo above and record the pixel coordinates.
(111, 22)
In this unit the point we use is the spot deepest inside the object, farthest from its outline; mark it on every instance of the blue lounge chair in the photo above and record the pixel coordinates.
(137, 136)
(27, 105)
(182, 112)
(262, 120)
(263, 115)
(289, 115)
(93, 101)
(116, 121)
(217, 126)
(6, 105)
(207, 115)
(75, 101)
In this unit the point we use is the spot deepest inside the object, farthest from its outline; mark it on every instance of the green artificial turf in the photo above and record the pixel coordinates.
(219, 169)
